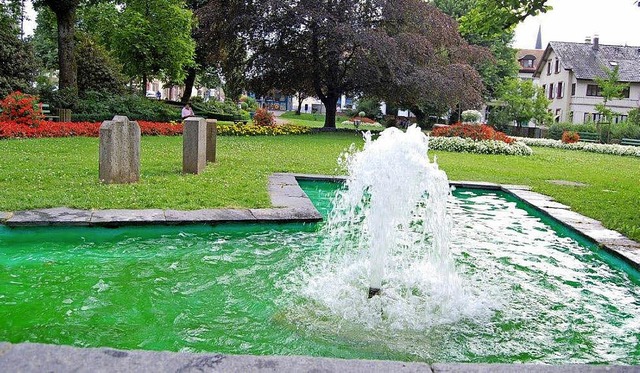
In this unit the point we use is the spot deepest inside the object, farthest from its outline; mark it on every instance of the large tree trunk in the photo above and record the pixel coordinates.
(145, 80)
(329, 102)
(189, 81)
(68, 77)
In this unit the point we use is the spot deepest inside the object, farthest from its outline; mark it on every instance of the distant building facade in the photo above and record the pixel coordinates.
(567, 72)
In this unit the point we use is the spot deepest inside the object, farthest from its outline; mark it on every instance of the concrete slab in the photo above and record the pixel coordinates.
(533, 368)
(48, 217)
(117, 217)
(208, 216)
(286, 215)
(32, 357)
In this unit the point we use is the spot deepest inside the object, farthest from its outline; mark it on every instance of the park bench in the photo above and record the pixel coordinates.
(243, 121)
(631, 142)
(46, 111)
(589, 137)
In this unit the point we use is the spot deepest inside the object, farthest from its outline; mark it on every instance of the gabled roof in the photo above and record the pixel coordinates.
(535, 53)
(586, 63)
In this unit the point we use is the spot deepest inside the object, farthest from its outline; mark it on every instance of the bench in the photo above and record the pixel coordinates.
(243, 121)
(589, 137)
(46, 111)
(630, 142)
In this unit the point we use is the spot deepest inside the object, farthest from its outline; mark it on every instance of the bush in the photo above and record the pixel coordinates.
(569, 137)
(626, 129)
(103, 106)
(264, 118)
(22, 109)
(472, 116)
(471, 131)
(255, 130)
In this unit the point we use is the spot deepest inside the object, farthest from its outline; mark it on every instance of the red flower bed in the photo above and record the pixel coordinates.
(472, 131)
(12, 129)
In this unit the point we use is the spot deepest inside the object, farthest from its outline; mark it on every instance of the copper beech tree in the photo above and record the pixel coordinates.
(403, 51)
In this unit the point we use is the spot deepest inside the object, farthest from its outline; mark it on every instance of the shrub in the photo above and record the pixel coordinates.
(628, 129)
(22, 109)
(102, 106)
(569, 137)
(264, 118)
(471, 116)
(471, 131)
(255, 130)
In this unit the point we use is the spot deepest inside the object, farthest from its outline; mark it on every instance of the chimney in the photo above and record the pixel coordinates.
(596, 42)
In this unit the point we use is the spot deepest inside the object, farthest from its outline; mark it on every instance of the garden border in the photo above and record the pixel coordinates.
(285, 192)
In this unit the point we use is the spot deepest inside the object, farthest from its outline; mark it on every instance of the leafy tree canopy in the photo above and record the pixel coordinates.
(19, 67)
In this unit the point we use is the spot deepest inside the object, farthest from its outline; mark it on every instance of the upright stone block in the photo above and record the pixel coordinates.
(194, 145)
(212, 133)
(119, 151)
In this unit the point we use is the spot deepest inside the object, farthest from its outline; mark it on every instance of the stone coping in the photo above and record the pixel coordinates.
(35, 357)
(293, 205)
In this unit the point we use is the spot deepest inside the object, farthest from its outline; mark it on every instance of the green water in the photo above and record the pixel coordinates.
(558, 299)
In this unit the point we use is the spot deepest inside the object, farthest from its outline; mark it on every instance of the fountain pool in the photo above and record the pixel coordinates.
(541, 294)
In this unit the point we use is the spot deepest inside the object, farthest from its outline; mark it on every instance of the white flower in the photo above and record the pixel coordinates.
(464, 145)
(613, 149)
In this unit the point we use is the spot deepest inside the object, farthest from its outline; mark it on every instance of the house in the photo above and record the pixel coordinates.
(567, 71)
(528, 61)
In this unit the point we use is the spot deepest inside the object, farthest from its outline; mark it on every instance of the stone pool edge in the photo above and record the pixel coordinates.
(285, 192)
(36, 357)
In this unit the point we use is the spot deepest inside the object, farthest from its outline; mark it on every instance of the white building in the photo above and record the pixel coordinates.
(567, 72)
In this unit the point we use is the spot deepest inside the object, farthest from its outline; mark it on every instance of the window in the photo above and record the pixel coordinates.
(557, 116)
(551, 92)
(586, 118)
(573, 89)
(549, 68)
(593, 90)
(544, 89)
(560, 93)
(526, 63)
(625, 93)
(571, 116)
(557, 66)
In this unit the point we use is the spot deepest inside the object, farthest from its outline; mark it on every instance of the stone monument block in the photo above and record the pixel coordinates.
(212, 133)
(119, 151)
(194, 145)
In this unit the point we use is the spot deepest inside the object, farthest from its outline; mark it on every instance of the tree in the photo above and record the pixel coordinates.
(97, 71)
(492, 17)
(222, 36)
(19, 70)
(523, 101)
(153, 38)
(365, 46)
(65, 11)
(610, 88)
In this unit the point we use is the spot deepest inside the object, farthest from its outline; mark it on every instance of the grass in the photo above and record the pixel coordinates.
(40, 173)
(317, 121)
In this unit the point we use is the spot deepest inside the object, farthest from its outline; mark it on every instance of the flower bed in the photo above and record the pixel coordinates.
(468, 145)
(613, 149)
(13, 129)
(471, 131)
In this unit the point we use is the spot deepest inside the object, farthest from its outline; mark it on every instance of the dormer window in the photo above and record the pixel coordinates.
(526, 63)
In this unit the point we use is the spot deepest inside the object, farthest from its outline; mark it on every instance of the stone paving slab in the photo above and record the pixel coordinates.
(286, 214)
(208, 216)
(119, 217)
(35, 357)
(52, 216)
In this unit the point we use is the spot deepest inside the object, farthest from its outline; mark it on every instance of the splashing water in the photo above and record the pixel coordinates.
(388, 230)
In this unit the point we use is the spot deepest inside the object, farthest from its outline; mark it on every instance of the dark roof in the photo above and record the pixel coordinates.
(587, 63)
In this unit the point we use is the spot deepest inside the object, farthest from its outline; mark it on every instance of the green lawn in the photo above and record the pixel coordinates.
(317, 121)
(40, 173)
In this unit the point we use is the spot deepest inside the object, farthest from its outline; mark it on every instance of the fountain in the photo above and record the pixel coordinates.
(389, 230)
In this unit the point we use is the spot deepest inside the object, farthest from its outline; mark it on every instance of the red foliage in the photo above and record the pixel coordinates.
(569, 137)
(263, 117)
(22, 109)
(14, 129)
(364, 119)
(471, 131)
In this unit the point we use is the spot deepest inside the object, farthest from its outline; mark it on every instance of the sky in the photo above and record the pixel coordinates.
(615, 21)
